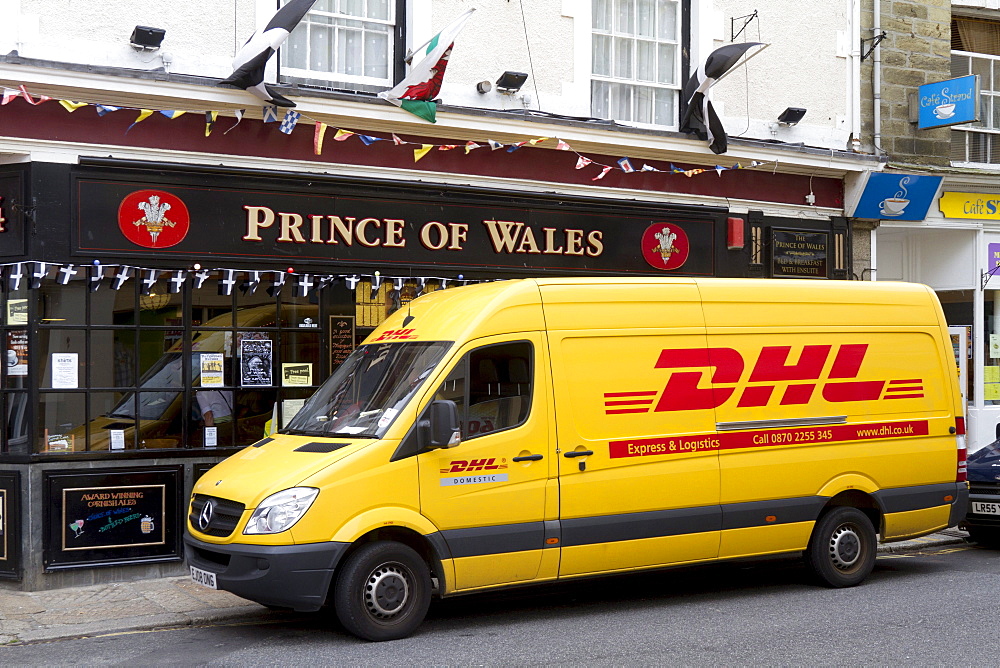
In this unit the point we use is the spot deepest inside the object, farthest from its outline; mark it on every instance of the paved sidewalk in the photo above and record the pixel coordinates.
(177, 601)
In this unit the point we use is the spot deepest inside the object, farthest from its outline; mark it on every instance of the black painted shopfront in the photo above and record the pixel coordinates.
(159, 317)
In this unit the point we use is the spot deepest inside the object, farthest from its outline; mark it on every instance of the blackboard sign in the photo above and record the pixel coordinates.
(103, 517)
(10, 536)
(112, 517)
(341, 339)
(799, 254)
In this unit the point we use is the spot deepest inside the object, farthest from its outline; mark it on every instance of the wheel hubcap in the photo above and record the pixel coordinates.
(387, 591)
(845, 547)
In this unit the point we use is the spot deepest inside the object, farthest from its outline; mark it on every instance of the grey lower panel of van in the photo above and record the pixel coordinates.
(481, 541)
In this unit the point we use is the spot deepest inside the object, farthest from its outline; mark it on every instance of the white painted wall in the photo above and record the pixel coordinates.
(805, 65)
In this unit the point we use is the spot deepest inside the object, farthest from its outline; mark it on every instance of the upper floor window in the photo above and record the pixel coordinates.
(975, 47)
(636, 60)
(344, 42)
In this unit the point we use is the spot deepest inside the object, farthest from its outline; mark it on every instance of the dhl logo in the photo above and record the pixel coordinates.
(684, 390)
(463, 466)
(397, 334)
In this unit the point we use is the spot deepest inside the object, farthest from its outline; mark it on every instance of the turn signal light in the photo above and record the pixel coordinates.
(770, 518)
(551, 541)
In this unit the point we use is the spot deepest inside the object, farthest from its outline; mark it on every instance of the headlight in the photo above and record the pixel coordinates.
(280, 511)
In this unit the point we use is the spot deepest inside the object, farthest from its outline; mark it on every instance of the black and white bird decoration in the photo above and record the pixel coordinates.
(248, 66)
(700, 117)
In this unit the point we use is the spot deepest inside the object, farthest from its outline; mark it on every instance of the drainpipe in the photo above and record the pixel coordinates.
(856, 78)
(877, 77)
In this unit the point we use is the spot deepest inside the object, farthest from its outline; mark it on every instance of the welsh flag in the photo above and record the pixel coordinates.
(417, 91)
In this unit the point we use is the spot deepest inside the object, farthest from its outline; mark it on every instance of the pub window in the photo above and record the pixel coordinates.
(345, 43)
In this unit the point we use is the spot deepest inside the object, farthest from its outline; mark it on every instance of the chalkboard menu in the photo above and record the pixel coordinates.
(10, 543)
(799, 254)
(112, 517)
(341, 339)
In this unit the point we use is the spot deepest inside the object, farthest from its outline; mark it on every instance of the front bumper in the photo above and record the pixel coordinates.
(287, 576)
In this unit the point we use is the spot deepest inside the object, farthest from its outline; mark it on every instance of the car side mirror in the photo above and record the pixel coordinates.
(438, 427)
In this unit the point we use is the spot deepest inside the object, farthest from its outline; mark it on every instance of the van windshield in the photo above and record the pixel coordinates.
(368, 390)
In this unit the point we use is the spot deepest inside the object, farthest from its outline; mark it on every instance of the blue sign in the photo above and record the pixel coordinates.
(948, 102)
(897, 196)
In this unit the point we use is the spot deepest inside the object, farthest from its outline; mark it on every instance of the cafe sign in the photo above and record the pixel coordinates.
(979, 206)
(950, 102)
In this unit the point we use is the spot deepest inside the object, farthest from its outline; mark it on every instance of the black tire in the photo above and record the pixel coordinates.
(383, 591)
(842, 548)
(985, 536)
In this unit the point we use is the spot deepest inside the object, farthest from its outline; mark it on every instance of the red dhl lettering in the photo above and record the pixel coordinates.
(397, 334)
(803, 380)
(465, 466)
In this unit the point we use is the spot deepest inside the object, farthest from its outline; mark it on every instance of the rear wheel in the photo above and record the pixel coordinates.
(985, 536)
(383, 591)
(843, 547)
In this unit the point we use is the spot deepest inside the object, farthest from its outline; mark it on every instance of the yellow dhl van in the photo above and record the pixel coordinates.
(536, 430)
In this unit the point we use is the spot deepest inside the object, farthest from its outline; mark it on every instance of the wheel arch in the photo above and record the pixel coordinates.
(855, 498)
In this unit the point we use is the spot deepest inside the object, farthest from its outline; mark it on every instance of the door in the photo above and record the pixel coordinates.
(487, 496)
(638, 465)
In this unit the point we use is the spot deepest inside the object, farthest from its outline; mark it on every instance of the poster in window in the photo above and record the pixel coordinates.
(255, 363)
(17, 311)
(211, 369)
(296, 373)
(65, 371)
(17, 352)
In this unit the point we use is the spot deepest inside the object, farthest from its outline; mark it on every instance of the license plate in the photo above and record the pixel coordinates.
(981, 508)
(203, 578)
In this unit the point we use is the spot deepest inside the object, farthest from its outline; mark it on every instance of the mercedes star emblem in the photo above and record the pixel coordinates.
(205, 518)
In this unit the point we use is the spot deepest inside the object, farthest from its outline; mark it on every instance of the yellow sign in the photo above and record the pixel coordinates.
(982, 206)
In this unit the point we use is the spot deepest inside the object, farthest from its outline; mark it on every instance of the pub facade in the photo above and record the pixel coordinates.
(174, 288)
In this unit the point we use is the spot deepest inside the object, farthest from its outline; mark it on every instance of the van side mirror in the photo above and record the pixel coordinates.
(438, 427)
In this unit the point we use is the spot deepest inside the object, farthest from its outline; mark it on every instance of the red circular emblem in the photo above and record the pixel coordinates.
(153, 219)
(665, 246)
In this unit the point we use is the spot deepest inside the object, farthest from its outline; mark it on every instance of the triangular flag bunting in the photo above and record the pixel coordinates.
(342, 135)
(288, 123)
(105, 109)
(9, 94)
(421, 152)
(603, 173)
(582, 162)
(239, 117)
(562, 146)
(210, 118)
(368, 141)
(447, 147)
(71, 106)
(270, 114)
(170, 113)
(417, 91)
(396, 140)
(28, 98)
(471, 146)
(318, 138)
(626, 166)
(143, 115)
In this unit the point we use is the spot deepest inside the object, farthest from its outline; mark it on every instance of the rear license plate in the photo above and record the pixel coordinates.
(203, 578)
(981, 508)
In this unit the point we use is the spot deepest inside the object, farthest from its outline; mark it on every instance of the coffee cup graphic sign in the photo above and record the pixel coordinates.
(894, 206)
(665, 246)
(153, 219)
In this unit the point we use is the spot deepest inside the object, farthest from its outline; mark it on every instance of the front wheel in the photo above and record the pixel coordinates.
(383, 591)
(842, 548)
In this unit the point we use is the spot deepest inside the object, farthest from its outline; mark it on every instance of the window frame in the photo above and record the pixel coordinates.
(681, 46)
(335, 80)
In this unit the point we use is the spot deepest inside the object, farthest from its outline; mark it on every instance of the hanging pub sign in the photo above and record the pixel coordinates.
(111, 517)
(950, 102)
(408, 226)
(799, 254)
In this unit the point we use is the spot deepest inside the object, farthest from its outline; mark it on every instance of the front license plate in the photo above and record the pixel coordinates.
(203, 578)
(982, 508)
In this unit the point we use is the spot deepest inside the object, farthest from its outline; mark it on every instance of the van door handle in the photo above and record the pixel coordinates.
(527, 458)
(578, 453)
